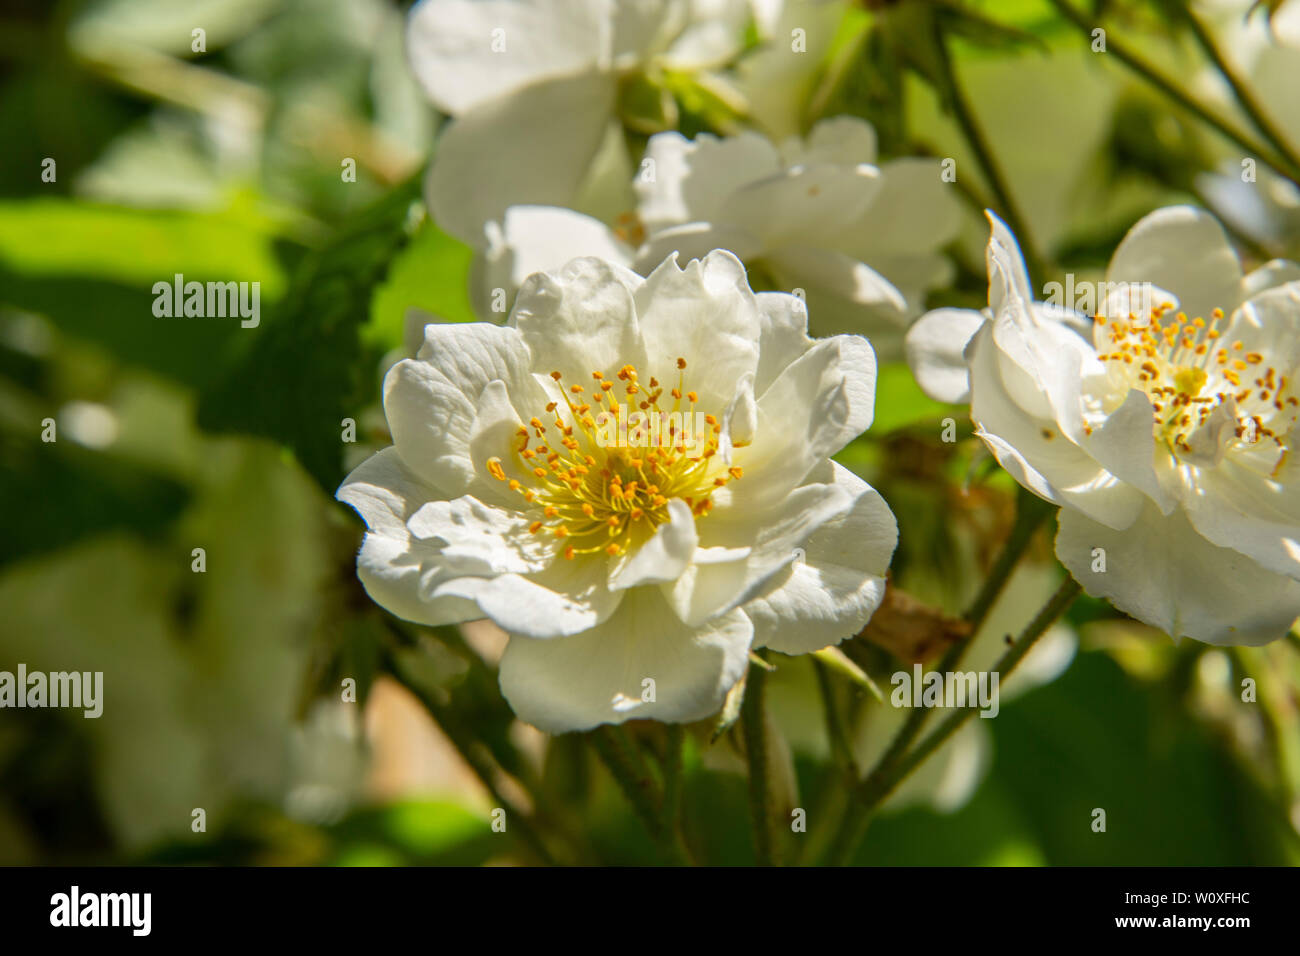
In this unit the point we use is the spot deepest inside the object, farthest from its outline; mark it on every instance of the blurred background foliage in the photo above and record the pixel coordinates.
(224, 689)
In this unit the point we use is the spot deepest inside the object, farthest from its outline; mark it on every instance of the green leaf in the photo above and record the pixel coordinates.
(92, 270)
(432, 274)
(60, 238)
(307, 369)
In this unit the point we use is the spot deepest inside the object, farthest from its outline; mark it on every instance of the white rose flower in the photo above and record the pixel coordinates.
(862, 241)
(662, 554)
(534, 87)
(1164, 431)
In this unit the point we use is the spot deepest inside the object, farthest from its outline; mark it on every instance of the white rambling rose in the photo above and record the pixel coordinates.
(861, 241)
(1164, 431)
(533, 86)
(662, 558)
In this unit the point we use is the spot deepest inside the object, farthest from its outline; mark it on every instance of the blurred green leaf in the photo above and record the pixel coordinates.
(92, 269)
(427, 832)
(1095, 739)
(59, 493)
(308, 369)
(900, 401)
(60, 237)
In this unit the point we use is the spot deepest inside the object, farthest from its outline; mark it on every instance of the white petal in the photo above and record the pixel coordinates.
(1162, 572)
(778, 80)
(1237, 508)
(403, 578)
(450, 45)
(831, 591)
(1269, 276)
(478, 539)
(706, 314)
(846, 140)
(394, 567)
(692, 178)
(1006, 266)
(913, 212)
(749, 547)
(1270, 324)
(566, 598)
(543, 239)
(580, 320)
(935, 345)
(782, 337)
(532, 147)
(431, 402)
(1125, 445)
(695, 240)
(385, 492)
(817, 405)
(740, 420)
(599, 676)
(843, 293)
(664, 557)
(801, 205)
(1184, 250)
(1035, 452)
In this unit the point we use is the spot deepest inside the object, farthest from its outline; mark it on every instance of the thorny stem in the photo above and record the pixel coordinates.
(1031, 511)
(627, 767)
(672, 807)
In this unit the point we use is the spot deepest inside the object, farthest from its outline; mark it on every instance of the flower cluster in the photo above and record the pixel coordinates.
(860, 241)
(633, 476)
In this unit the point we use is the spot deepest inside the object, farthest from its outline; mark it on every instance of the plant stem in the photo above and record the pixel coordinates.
(841, 750)
(1031, 511)
(877, 787)
(756, 750)
(476, 756)
(872, 792)
(979, 144)
(1241, 90)
(672, 805)
(637, 786)
(1170, 89)
(628, 768)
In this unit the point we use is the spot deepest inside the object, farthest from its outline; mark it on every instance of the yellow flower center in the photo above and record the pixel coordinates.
(601, 476)
(1188, 371)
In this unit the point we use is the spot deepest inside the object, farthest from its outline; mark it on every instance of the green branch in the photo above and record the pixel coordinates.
(756, 750)
(1245, 97)
(1170, 89)
(965, 116)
